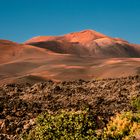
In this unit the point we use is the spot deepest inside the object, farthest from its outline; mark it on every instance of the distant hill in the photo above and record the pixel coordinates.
(12, 51)
(87, 43)
(81, 55)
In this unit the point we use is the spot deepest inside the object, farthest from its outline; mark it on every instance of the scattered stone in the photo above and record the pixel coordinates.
(21, 104)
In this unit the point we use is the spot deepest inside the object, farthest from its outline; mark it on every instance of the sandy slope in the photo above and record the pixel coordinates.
(81, 55)
(62, 67)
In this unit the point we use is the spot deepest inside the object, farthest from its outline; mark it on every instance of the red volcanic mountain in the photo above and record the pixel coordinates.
(80, 55)
(86, 43)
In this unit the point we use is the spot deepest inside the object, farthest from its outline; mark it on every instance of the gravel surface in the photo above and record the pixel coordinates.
(21, 104)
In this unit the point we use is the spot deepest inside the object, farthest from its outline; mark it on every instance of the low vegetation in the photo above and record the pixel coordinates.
(84, 125)
(65, 125)
(136, 104)
(124, 126)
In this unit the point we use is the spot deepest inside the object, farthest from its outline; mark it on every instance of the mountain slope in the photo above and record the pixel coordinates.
(87, 43)
(81, 55)
(13, 51)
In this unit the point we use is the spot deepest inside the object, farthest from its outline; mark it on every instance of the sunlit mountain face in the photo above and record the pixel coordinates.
(80, 55)
(87, 43)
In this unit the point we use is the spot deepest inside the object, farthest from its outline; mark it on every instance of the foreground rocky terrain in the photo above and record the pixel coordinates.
(20, 104)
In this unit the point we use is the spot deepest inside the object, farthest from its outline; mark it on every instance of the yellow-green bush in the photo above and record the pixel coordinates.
(65, 126)
(83, 125)
(124, 126)
(136, 103)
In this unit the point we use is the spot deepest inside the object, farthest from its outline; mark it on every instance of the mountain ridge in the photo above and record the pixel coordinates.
(86, 42)
(82, 55)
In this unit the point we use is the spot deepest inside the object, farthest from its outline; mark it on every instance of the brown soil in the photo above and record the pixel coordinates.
(21, 104)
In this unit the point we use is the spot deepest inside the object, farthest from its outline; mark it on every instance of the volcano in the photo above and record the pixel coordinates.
(80, 55)
(87, 43)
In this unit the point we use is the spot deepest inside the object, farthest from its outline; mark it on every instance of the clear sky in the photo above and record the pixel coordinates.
(23, 19)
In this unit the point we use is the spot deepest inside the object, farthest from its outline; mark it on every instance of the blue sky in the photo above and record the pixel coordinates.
(24, 19)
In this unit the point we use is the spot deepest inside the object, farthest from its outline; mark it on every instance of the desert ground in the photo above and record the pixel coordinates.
(69, 72)
(81, 55)
(20, 104)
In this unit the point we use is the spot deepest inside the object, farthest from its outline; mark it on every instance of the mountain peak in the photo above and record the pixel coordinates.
(84, 36)
(81, 36)
(88, 32)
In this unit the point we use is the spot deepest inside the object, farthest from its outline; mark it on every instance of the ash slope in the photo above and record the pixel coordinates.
(87, 43)
(80, 55)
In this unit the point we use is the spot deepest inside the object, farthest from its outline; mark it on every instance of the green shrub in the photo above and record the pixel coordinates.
(65, 126)
(84, 125)
(136, 103)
